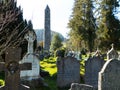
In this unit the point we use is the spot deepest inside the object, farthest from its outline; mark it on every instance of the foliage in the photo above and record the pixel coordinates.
(60, 52)
(94, 27)
(56, 42)
(41, 43)
(109, 25)
(12, 27)
(82, 24)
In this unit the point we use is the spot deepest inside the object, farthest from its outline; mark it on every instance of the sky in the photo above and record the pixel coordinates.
(60, 13)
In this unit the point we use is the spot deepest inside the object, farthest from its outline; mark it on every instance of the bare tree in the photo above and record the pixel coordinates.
(10, 28)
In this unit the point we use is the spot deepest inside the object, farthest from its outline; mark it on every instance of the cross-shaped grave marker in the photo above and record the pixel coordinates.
(12, 69)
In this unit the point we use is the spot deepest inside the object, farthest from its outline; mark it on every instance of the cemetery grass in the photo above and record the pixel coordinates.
(50, 66)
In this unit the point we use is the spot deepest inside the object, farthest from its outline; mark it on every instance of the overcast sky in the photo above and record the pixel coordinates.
(60, 13)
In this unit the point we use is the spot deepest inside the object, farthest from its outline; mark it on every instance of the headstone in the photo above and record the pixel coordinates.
(71, 53)
(68, 71)
(92, 67)
(47, 32)
(78, 55)
(31, 58)
(112, 54)
(12, 69)
(109, 76)
(76, 86)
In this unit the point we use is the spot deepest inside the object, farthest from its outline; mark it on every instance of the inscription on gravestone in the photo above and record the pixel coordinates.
(68, 71)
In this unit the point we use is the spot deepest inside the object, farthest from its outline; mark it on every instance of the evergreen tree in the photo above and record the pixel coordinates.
(56, 42)
(12, 26)
(109, 26)
(82, 23)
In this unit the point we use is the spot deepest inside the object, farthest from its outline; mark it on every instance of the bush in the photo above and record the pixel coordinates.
(46, 54)
(60, 52)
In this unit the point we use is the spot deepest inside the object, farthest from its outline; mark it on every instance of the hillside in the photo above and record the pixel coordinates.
(40, 33)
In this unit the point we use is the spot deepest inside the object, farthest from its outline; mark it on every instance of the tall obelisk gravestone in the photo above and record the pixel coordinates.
(47, 32)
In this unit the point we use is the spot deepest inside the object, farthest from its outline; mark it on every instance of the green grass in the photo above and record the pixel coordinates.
(2, 83)
(50, 66)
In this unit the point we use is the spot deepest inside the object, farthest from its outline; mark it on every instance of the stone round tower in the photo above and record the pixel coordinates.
(47, 31)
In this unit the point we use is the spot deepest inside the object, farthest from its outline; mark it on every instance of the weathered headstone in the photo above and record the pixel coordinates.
(92, 67)
(31, 58)
(112, 54)
(76, 86)
(68, 71)
(12, 69)
(109, 76)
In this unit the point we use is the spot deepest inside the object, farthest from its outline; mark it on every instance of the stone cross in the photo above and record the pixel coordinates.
(97, 53)
(12, 69)
(30, 37)
(112, 54)
(31, 58)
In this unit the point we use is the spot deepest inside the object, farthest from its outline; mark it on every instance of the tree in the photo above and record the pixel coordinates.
(56, 42)
(82, 23)
(109, 25)
(12, 26)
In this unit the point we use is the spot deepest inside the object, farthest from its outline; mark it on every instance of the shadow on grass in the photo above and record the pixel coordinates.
(50, 61)
(2, 75)
(52, 82)
(44, 67)
(53, 66)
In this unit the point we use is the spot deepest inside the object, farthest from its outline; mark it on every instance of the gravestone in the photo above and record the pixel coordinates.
(92, 67)
(68, 71)
(112, 54)
(109, 76)
(12, 69)
(78, 56)
(31, 58)
(76, 86)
